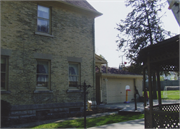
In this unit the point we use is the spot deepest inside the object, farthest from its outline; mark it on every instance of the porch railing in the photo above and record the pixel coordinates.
(163, 116)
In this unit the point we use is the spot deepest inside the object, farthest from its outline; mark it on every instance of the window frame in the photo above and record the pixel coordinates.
(79, 74)
(6, 73)
(49, 20)
(49, 75)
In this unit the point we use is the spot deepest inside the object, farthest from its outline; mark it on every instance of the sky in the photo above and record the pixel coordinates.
(106, 35)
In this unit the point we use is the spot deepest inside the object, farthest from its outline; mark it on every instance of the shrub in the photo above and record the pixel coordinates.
(5, 111)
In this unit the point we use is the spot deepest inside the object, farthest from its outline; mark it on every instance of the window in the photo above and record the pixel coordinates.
(43, 73)
(43, 19)
(74, 74)
(4, 72)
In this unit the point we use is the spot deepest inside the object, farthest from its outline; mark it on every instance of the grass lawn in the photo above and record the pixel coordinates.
(171, 94)
(92, 122)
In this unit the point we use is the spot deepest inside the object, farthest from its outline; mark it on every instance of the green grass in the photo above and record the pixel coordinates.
(92, 122)
(171, 94)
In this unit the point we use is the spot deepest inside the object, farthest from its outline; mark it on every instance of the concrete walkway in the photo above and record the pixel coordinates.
(133, 124)
(131, 106)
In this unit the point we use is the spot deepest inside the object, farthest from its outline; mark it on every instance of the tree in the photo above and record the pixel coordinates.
(141, 27)
(134, 68)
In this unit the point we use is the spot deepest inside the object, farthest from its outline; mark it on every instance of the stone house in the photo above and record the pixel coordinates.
(47, 48)
(111, 83)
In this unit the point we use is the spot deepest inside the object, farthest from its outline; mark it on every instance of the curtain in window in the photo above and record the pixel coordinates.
(42, 73)
(43, 25)
(73, 72)
(43, 12)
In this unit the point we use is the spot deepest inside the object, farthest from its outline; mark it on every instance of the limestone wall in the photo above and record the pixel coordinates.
(72, 37)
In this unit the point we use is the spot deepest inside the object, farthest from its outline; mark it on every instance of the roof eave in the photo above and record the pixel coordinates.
(95, 13)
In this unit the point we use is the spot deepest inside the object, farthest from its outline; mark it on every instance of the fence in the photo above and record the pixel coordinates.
(166, 83)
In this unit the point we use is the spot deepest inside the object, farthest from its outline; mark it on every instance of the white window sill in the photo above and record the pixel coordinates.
(44, 34)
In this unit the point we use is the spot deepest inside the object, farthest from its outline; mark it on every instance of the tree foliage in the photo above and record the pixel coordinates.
(141, 28)
(134, 68)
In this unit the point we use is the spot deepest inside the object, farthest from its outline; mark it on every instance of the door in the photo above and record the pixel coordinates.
(116, 92)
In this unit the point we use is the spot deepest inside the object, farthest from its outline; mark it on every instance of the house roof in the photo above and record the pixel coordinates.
(78, 6)
(100, 60)
(80, 3)
(111, 70)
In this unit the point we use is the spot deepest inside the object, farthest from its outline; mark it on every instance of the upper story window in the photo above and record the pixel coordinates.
(43, 19)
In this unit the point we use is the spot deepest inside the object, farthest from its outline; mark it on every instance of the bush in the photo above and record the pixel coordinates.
(5, 111)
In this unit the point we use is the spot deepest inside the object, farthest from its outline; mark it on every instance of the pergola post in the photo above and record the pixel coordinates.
(154, 85)
(159, 89)
(145, 92)
(150, 93)
(144, 86)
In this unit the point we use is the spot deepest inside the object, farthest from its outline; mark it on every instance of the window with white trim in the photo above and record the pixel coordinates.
(43, 19)
(74, 74)
(43, 73)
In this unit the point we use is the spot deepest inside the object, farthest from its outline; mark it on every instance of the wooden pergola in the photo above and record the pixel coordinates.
(163, 56)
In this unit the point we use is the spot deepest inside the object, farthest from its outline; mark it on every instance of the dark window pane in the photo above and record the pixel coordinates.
(3, 67)
(73, 69)
(43, 25)
(42, 67)
(2, 85)
(3, 64)
(73, 84)
(3, 79)
(42, 80)
(43, 12)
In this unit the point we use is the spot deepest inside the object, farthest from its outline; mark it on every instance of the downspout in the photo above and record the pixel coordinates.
(135, 102)
(93, 58)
